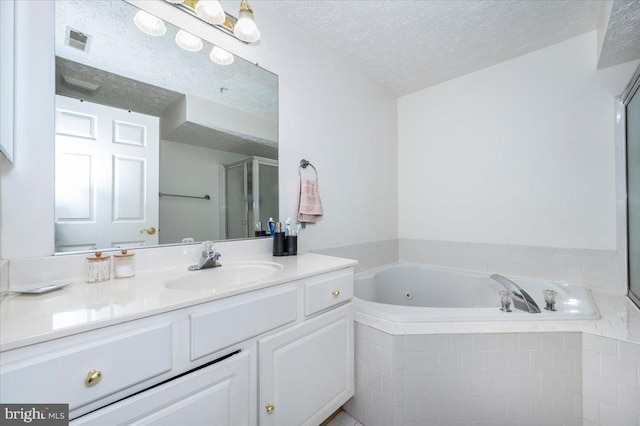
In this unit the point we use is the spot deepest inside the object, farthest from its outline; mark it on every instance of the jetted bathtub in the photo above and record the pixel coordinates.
(417, 293)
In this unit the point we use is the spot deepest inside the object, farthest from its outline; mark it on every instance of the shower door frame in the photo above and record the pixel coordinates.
(632, 90)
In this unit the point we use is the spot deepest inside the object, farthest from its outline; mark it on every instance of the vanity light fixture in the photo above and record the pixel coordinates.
(221, 56)
(188, 41)
(243, 28)
(149, 24)
(211, 11)
(246, 28)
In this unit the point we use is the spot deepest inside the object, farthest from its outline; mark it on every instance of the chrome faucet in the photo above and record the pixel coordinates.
(208, 258)
(521, 299)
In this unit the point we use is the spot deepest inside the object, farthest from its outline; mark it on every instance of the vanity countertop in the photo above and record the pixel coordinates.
(27, 319)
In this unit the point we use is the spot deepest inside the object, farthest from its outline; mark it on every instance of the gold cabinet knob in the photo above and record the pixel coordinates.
(93, 378)
(150, 230)
(336, 293)
(269, 407)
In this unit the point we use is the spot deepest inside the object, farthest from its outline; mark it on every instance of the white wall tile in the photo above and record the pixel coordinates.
(629, 398)
(426, 363)
(618, 370)
(591, 362)
(572, 383)
(483, 384)
(461, 342)
(495, 361)
(438, 386)
(566, 360)
(591, 409)
(615, 416)
(540, 361)
(517, 361)
(540, 407)
(529, 384)
(552, 340)
(484, 342)
(629, 351)
(473, 409)
(529, 340)
(449, 409)
(507, 340)
(425, 410)
(438, 342)
(506, 384)
(472, 362)
(602, 345)
(449, 362)
(552, 384)
(600, 389)
(517, 408)
(415, 343)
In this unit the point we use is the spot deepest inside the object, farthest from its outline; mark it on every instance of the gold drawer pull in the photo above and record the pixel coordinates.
(93, 378)
(336, 293)
(269, 407)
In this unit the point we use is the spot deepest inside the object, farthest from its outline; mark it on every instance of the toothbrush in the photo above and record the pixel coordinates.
(287, 227)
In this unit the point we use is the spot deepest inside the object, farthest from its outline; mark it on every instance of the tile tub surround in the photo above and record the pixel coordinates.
(480, 379)
(611, 381)
(368, 255)
(597, 269)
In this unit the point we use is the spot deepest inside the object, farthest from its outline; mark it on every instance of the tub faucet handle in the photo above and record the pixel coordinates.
(505, 301)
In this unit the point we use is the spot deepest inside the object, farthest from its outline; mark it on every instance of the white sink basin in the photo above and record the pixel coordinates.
(227, 275)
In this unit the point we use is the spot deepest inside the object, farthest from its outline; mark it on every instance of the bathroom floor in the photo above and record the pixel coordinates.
(343, 419)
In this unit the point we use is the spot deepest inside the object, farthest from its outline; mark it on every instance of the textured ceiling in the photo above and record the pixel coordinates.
(622, 40)
(410, 45)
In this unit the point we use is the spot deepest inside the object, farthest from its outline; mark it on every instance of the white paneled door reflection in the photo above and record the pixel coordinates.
(106, 176)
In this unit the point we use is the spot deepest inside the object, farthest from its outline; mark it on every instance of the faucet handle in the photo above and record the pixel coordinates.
(208, 246)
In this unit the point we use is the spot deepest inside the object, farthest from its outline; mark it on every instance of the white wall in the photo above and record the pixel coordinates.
(518, 153)
(190, 170)
(330, 114)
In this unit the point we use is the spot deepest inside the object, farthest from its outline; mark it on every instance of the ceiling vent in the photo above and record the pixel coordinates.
(76, 39)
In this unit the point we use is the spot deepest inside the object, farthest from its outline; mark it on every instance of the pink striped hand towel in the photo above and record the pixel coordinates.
(310, 205)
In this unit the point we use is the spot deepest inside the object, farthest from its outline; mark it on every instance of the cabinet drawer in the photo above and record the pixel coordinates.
(59, 377)
(240, 319)
(324, 292)
(213, 395)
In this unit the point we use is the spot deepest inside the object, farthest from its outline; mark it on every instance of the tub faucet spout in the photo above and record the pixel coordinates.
(521, 299)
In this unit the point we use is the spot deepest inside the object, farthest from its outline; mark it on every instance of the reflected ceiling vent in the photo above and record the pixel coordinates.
(76, 39)
(83, 87)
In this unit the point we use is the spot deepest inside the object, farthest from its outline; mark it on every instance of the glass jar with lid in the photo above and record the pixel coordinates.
(124, 265)
(98, 268)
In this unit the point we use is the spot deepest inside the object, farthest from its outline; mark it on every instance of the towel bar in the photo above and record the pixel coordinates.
(304, 164)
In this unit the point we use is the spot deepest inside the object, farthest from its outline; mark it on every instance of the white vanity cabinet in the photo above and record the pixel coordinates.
(306, 371)
(288, 346)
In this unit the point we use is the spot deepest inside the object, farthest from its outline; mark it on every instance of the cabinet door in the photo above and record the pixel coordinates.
(217, 395)
(306, 371)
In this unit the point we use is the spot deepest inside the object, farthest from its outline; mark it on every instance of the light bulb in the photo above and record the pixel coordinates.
(149, 24)
(246, 29)
(210, 11)
(221, 56)
(188, 41)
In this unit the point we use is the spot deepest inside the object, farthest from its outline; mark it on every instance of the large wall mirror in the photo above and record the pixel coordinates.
(155, 144)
